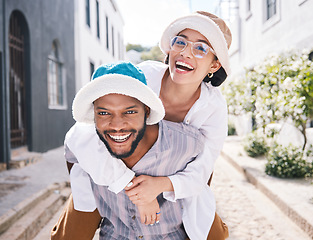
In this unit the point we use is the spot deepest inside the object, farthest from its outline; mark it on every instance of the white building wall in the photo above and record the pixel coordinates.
(257, 38)
(91, 49)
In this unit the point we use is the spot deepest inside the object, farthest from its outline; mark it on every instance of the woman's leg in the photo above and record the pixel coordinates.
(74, 224)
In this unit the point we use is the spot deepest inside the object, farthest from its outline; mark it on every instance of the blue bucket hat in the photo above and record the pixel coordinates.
(119, 78)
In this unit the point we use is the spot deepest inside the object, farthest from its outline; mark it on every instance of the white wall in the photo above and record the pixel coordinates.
(292, 28)
(88, 47)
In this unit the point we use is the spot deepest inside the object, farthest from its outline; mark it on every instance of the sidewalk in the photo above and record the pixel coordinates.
(16, 185)
(293, 196)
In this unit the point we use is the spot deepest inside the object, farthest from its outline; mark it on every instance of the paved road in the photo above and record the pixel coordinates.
(248, 213)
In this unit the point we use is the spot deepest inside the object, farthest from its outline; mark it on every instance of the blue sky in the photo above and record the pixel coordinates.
(145, 20)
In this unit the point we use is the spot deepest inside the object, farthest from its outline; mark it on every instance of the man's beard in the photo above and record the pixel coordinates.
(134, 144)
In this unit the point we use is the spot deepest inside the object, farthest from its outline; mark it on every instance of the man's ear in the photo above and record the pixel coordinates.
(147, 111)
(215, 65)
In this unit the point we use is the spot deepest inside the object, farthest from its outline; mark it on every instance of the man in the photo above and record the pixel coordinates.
(124, 113)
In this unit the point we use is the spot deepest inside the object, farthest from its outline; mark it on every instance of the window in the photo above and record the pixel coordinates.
(249, 5)
(271, 8)
(113, 41)
(107, 31)
(92, 68)
(98, 23)
(271, 14)
(56, 79)
(248, 9)
(87, 2)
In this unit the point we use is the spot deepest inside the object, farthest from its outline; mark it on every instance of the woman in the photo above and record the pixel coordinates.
(197, 52)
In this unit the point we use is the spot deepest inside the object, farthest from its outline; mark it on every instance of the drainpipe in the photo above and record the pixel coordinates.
(6, 154)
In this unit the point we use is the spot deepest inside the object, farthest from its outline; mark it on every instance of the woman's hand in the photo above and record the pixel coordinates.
(144, 189)
(150, 213)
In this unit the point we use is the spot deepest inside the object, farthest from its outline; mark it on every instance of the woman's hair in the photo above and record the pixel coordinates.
(218, 77)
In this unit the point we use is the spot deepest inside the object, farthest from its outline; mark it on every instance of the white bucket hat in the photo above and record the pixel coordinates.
(120, 78)
(210, 26)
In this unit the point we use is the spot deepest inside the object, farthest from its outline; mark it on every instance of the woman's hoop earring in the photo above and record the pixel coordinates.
(210, 75)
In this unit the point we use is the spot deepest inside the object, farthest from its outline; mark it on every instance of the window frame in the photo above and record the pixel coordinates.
(270, 22)
(56, 79)
(87, 12)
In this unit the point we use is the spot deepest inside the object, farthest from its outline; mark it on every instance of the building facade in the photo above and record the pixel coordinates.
(268, 26)
(98, 36)
(37, 73)
(48, 51)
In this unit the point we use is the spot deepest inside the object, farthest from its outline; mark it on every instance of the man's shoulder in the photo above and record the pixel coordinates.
(181, 129)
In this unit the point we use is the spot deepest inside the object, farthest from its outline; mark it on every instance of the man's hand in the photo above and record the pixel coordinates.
(149, 213)
(145, 189)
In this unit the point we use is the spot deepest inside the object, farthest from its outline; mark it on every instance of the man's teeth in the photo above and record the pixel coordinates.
(183, 64)
(120, 138)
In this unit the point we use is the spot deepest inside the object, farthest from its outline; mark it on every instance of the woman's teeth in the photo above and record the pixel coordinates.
(183, 66)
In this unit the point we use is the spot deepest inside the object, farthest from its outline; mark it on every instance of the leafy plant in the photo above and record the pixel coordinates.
(231, 129)
(289, 162)
(255, 145)
(278, 89)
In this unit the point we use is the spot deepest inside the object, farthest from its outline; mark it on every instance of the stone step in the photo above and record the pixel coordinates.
(25, 220)
(24, 158)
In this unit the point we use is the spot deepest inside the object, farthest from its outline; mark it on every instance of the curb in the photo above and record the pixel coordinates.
(255, 178)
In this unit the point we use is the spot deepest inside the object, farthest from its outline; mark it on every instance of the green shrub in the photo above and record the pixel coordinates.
(231, 129)
(288, 162)
(255, 145)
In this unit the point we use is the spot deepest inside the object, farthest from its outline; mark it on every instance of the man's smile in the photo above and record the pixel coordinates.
(119, 138)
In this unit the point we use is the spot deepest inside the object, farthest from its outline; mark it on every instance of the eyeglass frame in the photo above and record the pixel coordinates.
(191, 43)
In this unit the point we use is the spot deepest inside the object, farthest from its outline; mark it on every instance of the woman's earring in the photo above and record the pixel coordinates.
(210, 75)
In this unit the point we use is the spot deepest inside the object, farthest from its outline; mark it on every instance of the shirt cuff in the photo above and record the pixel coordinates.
(122, 182)
(170, 196)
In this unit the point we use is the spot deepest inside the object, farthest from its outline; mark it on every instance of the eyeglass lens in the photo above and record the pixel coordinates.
(198, 49)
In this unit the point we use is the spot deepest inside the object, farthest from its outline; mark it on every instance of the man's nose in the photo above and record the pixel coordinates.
(117, 122)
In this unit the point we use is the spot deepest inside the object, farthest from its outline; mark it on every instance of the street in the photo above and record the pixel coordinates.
(248, 213)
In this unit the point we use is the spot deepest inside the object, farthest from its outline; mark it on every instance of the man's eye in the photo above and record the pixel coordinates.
(103, 113)
(131, 112)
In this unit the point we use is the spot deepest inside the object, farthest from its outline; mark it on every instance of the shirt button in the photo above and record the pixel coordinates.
(187, 121)
(133, 217)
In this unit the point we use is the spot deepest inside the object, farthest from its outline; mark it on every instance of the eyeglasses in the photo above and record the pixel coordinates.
(198, 49)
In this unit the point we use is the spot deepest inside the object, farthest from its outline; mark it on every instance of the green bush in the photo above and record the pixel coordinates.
(231, 129)
(255, 145)
(288, 162)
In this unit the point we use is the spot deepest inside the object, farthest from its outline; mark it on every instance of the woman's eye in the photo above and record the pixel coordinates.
(182, 43)
(201, 48)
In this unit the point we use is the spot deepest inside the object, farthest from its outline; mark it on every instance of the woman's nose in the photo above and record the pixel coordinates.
(187, 52)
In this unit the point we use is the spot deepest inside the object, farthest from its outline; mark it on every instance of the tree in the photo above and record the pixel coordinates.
(277, 89)
(136, 47)
(154, 54)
